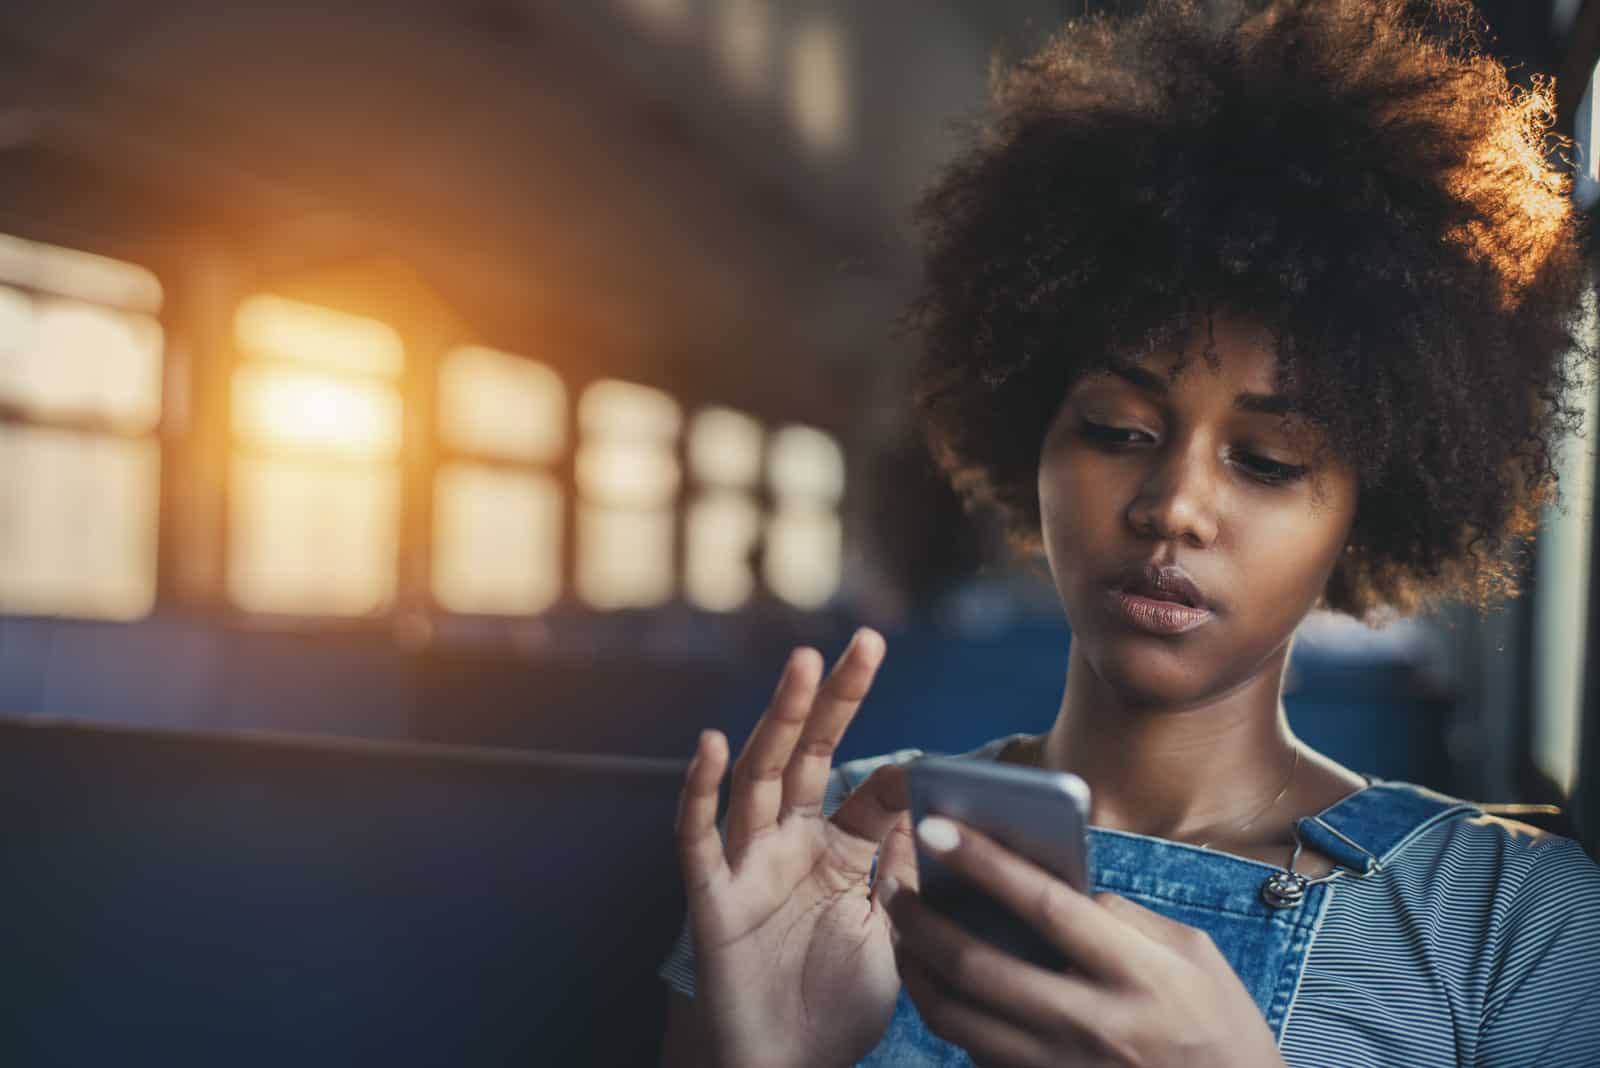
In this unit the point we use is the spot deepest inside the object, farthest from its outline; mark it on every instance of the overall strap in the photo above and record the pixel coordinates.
(1370, 826)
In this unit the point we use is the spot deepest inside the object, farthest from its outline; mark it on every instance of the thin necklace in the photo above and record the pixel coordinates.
(1268, 808)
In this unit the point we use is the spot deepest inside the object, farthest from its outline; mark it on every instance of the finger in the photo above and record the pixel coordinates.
(1042, 1001)
(806, 777)
(699, 845)
(870, 814)
(897, 859)
(871, 811)
(986, 1038)
(1153, 925)
(757, 791)
(1083, 930)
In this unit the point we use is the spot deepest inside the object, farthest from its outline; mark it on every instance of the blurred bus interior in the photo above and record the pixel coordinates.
(418, 421)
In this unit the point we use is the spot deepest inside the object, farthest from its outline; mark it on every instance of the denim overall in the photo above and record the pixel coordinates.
(1222, 895)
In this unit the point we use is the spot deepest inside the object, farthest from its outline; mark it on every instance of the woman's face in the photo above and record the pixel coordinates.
(1186, 522)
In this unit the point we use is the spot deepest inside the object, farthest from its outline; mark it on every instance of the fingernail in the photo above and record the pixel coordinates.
(937, 834)
(889, 887)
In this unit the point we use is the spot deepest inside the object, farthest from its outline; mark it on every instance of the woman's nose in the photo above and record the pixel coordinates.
(1177, 498)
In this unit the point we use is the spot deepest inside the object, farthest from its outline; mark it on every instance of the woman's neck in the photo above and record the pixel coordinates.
(1193, 772)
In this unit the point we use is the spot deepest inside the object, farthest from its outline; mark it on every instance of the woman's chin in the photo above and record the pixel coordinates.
(1144, 671)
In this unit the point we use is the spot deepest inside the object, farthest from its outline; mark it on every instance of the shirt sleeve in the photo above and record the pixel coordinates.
(1543, 1003)
(678, 969)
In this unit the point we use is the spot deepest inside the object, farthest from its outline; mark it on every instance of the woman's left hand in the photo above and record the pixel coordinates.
(1141, 990)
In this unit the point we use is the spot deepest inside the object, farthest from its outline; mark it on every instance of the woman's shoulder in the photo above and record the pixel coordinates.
(1487, 929)
(1457, 847)
(1528, 870)
(1512, 892)
(1491, 842)
(1511, 910)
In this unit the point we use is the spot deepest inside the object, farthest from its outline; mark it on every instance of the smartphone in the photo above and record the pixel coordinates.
(1042, 815)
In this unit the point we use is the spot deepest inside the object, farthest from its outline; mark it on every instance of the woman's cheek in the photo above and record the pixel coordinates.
(1294, 555)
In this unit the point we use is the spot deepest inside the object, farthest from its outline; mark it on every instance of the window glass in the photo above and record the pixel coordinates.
(81, 378)
(725, 447)
(803, 554)
(819, 91)
(723, 530)
(724, 523)
(268, 326)
(630, 472)
(806, 463)
(81, 275)
(497, 540)
(744, 43)
(1586, 179)
(61, 358)
(623, 409)
(313, 538)
(16, 339)
(78, 519)
(496, 404)
(628, 479)
(1561, 581)
(315, 484)
(290, 409)
(626, 558)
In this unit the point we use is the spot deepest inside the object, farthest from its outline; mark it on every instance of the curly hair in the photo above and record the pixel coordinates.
(1358, 177)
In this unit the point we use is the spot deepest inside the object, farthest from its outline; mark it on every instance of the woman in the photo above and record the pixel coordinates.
(1237, 309)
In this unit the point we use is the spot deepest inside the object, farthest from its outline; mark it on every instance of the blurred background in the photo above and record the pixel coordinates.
(394, 395)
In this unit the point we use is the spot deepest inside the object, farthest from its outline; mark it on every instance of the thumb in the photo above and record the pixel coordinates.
(898, 858)
(877, 820)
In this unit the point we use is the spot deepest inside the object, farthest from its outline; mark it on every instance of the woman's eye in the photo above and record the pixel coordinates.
(1101, 434)
(1270, 471)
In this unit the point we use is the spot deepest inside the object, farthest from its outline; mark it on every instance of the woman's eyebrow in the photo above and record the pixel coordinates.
(1267, 403)
(1137, 376)
(1150, 382)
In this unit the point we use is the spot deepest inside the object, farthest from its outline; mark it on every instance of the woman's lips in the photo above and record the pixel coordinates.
(1157, 617)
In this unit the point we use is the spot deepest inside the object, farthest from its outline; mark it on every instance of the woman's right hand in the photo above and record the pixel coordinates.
(793, 959)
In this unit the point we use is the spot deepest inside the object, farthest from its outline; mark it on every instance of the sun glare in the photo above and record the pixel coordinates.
(279, 408)
(287, 329)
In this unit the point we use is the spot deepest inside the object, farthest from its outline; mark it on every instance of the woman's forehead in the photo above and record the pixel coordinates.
(1235, 354)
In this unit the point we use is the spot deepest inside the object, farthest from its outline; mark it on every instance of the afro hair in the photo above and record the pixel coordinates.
(1355, 175)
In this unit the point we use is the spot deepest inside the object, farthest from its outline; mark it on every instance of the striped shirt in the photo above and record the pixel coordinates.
(1479, 944)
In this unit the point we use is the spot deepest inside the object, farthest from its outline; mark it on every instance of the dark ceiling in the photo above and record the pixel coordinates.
(499, 149)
